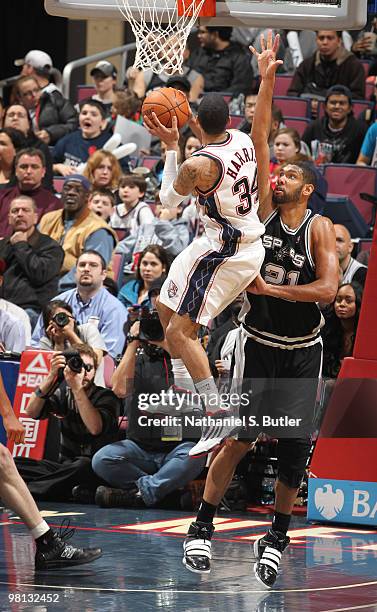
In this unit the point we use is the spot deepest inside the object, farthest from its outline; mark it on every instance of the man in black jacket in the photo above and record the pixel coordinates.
(330, 65)
(33, 260)
(52, 115)
(225, 65)
(88, 418)
(337, 136)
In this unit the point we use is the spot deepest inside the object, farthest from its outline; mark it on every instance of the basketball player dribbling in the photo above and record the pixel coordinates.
(214, 269)
(279, 338)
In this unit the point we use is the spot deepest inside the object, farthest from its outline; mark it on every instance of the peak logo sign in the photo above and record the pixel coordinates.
(342, 501)
(35, 369)
(328, 502)
(37, 365)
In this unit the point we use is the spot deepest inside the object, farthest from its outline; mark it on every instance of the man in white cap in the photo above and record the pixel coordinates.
(39, 65)
(105, 79)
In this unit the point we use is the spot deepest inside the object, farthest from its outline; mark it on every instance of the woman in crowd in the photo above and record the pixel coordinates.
(62, 332)
(153, 263)
(103, 170)
(287, 148)
(341, 325)
(11, 141)
(17, 117)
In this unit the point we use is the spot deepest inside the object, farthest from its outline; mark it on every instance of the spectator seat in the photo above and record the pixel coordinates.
(85, 91)
(293, 107)
(282, 83)
(297, 123)
(350, 180)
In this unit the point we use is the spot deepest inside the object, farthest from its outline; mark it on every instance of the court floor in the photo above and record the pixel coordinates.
(326, 568)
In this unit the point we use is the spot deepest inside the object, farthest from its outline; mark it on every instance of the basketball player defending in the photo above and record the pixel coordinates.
(279, 337)
(213, 270)
(51, 549)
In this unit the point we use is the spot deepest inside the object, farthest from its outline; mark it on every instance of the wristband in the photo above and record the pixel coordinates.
(39, 393)
(130, 338)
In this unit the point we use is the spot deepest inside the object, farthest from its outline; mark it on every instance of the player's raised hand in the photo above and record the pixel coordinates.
(170, 136)
(267, 62)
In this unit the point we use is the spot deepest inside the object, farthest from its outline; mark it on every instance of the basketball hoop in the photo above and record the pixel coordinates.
(161, 28)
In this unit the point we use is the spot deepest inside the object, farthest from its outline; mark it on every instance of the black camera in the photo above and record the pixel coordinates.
(61, 319)
(150, 326)
(74, 361)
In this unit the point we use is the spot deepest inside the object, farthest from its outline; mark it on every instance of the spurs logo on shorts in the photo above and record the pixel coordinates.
(172, 289)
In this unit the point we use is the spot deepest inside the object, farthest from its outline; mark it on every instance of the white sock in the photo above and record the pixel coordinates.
(40, 530)
(209, 394)
(181, 375)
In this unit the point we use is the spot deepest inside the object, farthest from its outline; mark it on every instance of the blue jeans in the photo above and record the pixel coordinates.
(156, 474)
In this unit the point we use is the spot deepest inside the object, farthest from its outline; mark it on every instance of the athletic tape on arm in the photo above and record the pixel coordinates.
(169, 198)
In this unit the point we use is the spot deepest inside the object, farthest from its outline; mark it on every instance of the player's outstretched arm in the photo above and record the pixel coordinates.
(260, 132)
(324, 288)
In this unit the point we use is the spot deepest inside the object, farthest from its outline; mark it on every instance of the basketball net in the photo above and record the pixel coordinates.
(161, 28)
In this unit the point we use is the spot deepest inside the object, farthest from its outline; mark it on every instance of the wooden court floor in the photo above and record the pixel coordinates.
(326, 568)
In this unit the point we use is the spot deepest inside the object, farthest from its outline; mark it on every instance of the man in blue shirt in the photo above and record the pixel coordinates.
(91, 300)
(368, 152)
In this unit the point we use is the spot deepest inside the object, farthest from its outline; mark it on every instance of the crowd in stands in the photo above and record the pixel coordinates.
(85, 244)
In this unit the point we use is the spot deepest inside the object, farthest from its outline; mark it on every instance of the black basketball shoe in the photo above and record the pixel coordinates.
(197, 547)
(53, 551)
(268, 551)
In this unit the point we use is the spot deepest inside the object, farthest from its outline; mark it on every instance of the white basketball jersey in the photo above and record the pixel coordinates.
(229, 209)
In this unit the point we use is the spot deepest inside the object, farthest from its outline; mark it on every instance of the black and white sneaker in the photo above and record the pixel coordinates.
(268, 551)
(197, 547)
(216, 429)
(54, 552)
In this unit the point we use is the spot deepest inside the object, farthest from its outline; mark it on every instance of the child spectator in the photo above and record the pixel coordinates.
(132, 212)
(74, 149)
(102, 201)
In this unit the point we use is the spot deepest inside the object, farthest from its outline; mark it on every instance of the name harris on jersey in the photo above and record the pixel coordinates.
(239, 159)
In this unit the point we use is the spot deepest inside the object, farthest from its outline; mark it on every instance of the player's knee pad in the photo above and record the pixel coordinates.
(292, 454)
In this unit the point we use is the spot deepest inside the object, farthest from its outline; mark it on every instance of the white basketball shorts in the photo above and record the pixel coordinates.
(202, 281)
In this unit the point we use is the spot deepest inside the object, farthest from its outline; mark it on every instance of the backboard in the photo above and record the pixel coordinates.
(287, 14)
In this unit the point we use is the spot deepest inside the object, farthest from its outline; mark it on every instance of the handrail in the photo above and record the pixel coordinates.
(83, 61)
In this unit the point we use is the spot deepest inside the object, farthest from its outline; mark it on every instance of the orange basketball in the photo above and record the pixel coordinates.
(167, 102)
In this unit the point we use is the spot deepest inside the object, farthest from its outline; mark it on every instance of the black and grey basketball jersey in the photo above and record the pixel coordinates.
(288, 261)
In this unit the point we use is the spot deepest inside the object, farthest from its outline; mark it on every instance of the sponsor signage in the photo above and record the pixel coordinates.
(34, 368)
(342, 501)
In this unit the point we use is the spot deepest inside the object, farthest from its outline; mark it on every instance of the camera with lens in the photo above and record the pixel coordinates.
(150, 326)
(61, 319)
(74, 361)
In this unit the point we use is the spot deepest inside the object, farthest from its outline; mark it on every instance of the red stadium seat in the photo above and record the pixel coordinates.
(282, 83)
(351, 180)
(235, 121)
(369, 89)
(297, 123)
(85, 91)
(58, 183)
(108, 369)
(293, 107)
(149, 161)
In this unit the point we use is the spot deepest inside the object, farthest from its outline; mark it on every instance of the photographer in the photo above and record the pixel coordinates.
(153, 461)
(88, 417)
(62, 332)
